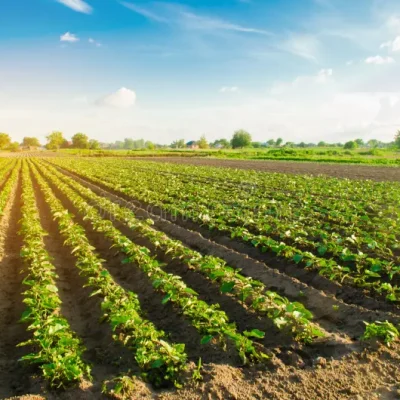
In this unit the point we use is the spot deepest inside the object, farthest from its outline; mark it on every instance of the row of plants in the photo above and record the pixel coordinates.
(331, 258)
(211, 322)
(55, 346)
(160, 361)
(290, 316)
(371, 221)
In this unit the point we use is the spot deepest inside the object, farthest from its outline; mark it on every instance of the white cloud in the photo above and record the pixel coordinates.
(122, 98)
(229, 89)
(199, 22)
(178, 15)
(144, 12)
(94, 42)
(379, 60)
(393, 45)
(324, 75)
(350, 62)
(305, 46)
(69, 37)
(77, 5)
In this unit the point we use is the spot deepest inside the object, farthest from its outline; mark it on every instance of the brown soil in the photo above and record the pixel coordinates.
(14, 376)
(292, 167)
(337, 368)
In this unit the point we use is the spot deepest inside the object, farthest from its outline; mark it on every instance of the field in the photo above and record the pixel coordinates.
(198, 279)
(335, 155)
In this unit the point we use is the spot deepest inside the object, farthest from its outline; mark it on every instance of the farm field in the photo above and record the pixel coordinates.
(198, 279)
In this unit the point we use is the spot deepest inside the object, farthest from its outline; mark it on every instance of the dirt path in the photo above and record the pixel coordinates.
(14, 377)
(292, 167)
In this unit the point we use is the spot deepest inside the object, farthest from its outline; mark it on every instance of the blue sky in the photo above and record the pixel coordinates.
(303, 70)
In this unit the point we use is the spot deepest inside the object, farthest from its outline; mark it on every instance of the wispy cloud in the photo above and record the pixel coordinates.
(229, 89)
(94, 42)
(69, 37)
(305, 46)
(199, 22)
(379, 60)
(144, 12)
(178, 15)
(77, 5)
(393, 45)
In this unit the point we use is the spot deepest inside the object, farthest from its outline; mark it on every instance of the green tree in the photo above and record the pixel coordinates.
(5, 140)
(270, 142)
(321, 144)
(55, 140)
(397, 139)
(13, 147)
(241, 139)
(30, 142)
(150, 145)
(279, 142)
(351, 145)
(223, 143)
(94, 144)
(203, 144)
(360, 142)
(373, 143)
(80, 141)
(178, 144)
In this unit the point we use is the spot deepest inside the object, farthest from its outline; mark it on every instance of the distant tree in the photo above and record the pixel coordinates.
(302, 144)
(321, 144)
(241, 139)
(30, 142)
(80, 141)
(270, 142)
(55, 140)
(150, 145)
(289, 144)
(94, 144)
(65, 144)
(5, 140)
(222, 143)
(279, 142)
(178, 144)
(397, 139)
(373, 143)
(203, 144)
(351, 145)
(360, 142)
(256, 145)
(13, 147)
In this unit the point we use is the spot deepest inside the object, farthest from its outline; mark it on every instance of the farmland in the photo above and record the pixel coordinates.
(139, 279)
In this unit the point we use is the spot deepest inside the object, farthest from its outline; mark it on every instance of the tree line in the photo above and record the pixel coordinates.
(240, 139)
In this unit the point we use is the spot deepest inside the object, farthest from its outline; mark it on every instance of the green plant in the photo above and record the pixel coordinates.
(385, 331)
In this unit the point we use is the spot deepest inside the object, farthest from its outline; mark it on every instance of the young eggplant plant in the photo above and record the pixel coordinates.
(209, 320)
(57, 349)
(286, 315)
(161, 362)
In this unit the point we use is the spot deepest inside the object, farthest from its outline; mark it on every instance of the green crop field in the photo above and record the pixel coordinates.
(130, 278)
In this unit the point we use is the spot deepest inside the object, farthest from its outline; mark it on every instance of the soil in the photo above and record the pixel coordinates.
(292, 167)
(339, 367)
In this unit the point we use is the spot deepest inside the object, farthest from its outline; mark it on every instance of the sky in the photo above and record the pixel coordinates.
(302, 70)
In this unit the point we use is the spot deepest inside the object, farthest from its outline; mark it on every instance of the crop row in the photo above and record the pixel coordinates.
(211, 322)
(55, 347)
(331, 257)
(160, 361)
(291, 316)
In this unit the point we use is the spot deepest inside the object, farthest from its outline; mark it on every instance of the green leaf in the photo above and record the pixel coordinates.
(255, 333)
(165, 300)
(157, 363)
(227, 287)
(297, 258)
(206, 339)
